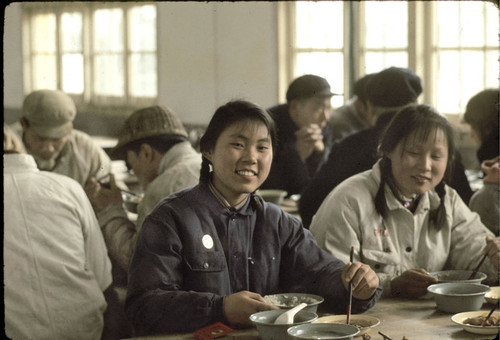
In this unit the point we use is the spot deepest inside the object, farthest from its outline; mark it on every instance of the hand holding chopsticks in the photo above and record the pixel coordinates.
(473, 275)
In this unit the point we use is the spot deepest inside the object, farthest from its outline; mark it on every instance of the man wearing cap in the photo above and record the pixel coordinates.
(304, 137)
(46, 129)
(154, 143)
(353, 116)
(387, 92)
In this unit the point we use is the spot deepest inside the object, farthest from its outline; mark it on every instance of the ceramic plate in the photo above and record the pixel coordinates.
(461, 317)
(493, 295)
(363, 322)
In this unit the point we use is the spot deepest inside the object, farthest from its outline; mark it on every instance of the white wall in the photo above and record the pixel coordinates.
(209, 53)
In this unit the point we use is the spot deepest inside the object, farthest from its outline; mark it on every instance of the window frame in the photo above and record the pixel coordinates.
(422, 46)
(88, 100)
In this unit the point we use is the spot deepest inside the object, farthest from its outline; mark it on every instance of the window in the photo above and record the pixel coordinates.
(99, 54)
(452, 45)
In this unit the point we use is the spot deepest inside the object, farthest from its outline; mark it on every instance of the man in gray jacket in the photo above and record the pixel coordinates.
(155, 145)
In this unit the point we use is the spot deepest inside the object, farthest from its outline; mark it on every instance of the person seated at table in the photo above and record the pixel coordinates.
(46, 129)
(154, 142)
(304, 137)
(387, 92)
(57, 272)
(481, 113)
(353, 116)
(401, 216)
(486, 201)
(210, 253)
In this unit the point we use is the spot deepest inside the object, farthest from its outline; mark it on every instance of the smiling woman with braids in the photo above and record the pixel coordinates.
(210, 253)
(402, 215)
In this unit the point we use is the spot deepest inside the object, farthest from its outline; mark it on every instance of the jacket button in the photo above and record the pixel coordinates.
(205, 265)
(408, 249)
(377, 266)
(387, 250)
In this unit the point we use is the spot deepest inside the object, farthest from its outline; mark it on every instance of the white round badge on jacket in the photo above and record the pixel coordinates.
(207, 241)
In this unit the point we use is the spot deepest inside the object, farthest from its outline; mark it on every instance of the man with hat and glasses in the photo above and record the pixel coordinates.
(155, 145)
(304, 137)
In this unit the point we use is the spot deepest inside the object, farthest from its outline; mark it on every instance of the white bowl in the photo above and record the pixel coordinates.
(264, 321)
(493, 295)
(458, 276)
(363, 322)
(461, 317)
(272, 195)
(290, 300)
(458, 297)
(327, 331)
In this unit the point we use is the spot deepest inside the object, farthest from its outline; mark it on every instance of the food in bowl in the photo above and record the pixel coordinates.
(458, 276)
(461, 318)
(363, 322)
(268, 330)
(456, 297)
(290, 300)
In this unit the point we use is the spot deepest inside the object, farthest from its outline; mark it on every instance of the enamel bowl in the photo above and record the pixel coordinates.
(458, 297)
(458, 276)
(273, 196)
(363, 322)
(326, 331)
(461, 320)
(264, 322)
(290, 300)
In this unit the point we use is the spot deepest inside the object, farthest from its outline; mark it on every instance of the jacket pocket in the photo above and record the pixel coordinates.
(381, 261)
(210, 261)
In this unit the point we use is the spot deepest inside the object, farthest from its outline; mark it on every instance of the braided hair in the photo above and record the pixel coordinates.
(419, 121)
(228, 114)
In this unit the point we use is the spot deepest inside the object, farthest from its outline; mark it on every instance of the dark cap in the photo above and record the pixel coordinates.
(393, 87)
(308, 86)
(147, 122)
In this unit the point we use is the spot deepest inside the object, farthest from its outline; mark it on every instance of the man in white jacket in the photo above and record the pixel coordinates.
(154, 143)
(56, 265)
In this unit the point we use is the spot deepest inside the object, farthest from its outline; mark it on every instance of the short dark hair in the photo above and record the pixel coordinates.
(226, 115)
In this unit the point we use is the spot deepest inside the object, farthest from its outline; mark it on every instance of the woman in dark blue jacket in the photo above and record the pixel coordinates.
(210, 253)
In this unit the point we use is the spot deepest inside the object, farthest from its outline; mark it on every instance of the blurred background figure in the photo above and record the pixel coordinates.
(486, 201)
(155, 145)
(304, 137)
(353, 116)
(46, 129)
(56, 266)
(482, 114)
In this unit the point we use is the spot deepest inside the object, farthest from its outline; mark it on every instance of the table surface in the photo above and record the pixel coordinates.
(414, 319)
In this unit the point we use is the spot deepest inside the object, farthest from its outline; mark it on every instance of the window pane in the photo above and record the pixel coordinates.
(448, 23)
(492, 74)
(327, 65)
(71, 32)
(108, 76)
(319, 24)
(72, 73)
(142, 28)
(492, 24)
(448, 82)
(471, 21)
(472, 81)
(43, 33)
(377, 61)
(386, 24)
(108, 30)
(143, 75)
(45, 72)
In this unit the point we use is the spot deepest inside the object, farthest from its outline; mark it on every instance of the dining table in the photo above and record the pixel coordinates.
(409, 319)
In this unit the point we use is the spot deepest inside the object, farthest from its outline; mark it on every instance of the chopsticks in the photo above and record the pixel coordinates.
(489, 314)
(477, 268)
(384, 336)
(108, 186)
(350, 291)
